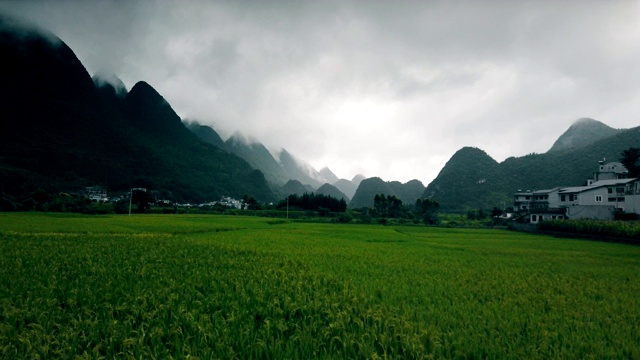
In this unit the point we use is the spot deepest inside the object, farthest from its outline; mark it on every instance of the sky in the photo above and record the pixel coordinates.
(381, 88)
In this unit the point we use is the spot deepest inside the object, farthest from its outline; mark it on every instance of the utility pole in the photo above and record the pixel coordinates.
(131, 196)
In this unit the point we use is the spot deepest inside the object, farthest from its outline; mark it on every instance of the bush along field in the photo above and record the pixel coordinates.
(621, 231)
(229, 287)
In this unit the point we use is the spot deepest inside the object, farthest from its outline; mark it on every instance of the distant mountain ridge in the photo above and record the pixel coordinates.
(370, 187)
(330, 190)
(277, 172)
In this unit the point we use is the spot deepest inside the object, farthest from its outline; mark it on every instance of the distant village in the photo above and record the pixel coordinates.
(99, 194)
(609, 195)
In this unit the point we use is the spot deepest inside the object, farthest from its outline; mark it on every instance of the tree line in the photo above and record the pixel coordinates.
(315, 202)
(390, 206)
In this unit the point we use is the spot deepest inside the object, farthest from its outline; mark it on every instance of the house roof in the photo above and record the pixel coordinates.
(546, 191)
(597, 184)
(613, 182)
(575, 189)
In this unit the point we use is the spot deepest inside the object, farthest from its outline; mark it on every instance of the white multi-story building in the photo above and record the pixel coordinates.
(607, 193)
(599, 200)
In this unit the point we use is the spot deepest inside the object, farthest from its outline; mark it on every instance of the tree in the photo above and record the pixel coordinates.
(477, 214)
(630, 158)
(142, 199)
(428, 209)
(252, 203)
(388, 206)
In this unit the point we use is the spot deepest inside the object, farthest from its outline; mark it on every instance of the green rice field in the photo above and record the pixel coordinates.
(225, 287)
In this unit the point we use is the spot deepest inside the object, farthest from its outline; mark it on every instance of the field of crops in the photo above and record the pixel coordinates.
(160, 286)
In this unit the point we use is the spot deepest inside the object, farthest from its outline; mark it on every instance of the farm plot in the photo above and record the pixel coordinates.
(242, 287)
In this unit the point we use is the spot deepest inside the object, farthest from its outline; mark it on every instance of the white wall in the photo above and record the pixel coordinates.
(600, 212)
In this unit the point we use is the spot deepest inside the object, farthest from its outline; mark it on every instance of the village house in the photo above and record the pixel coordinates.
(600, 200)
(608, 193)
(545, 204)
(96, 193)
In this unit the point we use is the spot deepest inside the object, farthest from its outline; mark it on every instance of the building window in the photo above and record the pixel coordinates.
(598, 198)
(563, 198)
(610, 190)
(612, 199)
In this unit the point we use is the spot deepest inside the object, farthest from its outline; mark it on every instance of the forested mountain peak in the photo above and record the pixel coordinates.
(470, 158)
(144, 93)
(295, 187)
(470, 151)
(470, 170)
(204, 133)
(256, 154)
(330, 190)
(328, 175)
(346, 186)
(240, 139)
(358, 179)
(583, 132)
(111, 82)
(25, 32)
(145, 108)
(298, 170)
(370, 187)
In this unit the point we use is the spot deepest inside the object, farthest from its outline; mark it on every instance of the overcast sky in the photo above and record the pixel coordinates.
(383, 88)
